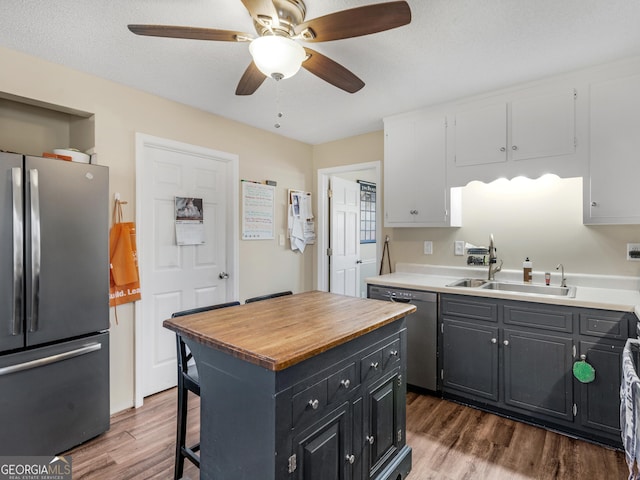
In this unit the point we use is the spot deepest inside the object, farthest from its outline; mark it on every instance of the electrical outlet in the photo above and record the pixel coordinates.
(458, 247)
(428, 247)
(633, 252)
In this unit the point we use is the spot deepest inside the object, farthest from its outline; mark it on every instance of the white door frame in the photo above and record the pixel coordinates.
(232, 228)
(324, 175)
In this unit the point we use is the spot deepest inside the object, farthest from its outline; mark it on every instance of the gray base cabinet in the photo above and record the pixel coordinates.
(516, 358)
(339, 415)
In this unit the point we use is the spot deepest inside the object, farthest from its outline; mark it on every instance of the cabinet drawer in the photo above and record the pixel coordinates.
(380, 361)
(309, 401)
(531, 315)
(371, 365)
(341, 383)
(467, 307)
(391, 355)
(605, 324)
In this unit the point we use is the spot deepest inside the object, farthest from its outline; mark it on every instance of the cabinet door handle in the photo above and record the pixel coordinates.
(351, 458)
(346, 383)
(506, 343)
(503, 149)
(514, 147)
(315, 403)
(370, 439)
(393, 353)
(375, 365)
(594, 204)
(494, 340)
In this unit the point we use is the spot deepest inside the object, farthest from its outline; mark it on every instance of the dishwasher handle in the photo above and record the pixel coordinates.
(400, 300)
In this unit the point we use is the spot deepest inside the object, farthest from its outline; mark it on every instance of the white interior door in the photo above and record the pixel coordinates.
(178, 277)
(344, 263)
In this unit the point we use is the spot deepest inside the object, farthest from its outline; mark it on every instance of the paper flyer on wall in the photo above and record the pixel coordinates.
(258, 209)
(189, 221)
(300, 220)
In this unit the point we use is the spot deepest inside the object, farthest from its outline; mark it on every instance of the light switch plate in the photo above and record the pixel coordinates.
(428, 247)
(458, 247)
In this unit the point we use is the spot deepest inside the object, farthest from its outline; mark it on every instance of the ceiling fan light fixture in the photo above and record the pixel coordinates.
(276, 56)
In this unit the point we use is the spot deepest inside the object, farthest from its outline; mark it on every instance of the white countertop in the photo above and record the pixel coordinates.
(592, 291)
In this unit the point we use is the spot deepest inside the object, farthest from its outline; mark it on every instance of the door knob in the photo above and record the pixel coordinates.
(223, 275)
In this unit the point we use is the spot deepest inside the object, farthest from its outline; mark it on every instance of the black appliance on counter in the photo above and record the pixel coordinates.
(54, 304)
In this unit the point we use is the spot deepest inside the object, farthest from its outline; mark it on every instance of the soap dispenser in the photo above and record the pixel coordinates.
(527, 267)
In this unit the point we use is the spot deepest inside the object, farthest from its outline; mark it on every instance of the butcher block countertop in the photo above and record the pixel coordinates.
(281, 332)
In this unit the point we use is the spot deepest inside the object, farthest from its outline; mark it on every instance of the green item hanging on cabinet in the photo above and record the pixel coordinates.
(584, 371)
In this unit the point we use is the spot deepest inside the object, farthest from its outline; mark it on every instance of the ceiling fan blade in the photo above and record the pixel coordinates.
(356, 22)
(250, 81)
(331, 72)
(194, 33)
(261, 10)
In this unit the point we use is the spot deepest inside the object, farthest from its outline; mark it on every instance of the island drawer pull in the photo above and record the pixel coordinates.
(315, 403)
(374, 365)
(346, 383)
(371, 439)
(351, 458)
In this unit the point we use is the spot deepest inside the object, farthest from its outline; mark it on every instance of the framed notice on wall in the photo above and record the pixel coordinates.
(258, 209)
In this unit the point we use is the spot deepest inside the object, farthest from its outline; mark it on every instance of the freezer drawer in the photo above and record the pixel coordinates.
(55, 397)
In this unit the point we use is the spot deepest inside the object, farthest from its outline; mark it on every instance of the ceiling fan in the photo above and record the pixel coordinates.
(279, 23)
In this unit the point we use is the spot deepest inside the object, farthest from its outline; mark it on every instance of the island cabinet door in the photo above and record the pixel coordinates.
(323, 451)
(384, 428)
(537, 373)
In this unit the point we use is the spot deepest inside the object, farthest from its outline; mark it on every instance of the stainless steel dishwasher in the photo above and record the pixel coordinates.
(422, 335)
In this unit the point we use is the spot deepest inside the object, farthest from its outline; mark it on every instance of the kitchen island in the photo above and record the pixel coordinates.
(305, 386)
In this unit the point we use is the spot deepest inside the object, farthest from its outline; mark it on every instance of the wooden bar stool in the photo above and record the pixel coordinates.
(188, 381)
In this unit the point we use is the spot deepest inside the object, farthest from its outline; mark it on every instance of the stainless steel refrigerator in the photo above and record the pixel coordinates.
(54, 304)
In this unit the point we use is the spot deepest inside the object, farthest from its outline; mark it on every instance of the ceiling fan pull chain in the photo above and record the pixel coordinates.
(279, 113)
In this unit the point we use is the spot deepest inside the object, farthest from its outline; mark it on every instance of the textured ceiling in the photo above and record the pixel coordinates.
(451, 49)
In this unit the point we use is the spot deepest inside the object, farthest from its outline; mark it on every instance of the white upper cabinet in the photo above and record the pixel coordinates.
(612, 191)
(529, 133)
(481, 135)
(543, 125)
(415, 192)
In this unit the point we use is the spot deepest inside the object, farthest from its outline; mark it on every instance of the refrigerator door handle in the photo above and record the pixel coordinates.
(35, 249)
(18, 251)
(19, 367)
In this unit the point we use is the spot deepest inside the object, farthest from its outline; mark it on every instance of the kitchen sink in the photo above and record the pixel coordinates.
(522, 288)
(468, 282)
(532, 289)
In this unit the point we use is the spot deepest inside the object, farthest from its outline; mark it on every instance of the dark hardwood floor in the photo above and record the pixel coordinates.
(449, 441)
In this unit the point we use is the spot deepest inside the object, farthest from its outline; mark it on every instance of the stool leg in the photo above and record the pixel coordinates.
(181, 431)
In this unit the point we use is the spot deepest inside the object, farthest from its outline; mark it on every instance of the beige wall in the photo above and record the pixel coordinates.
(120, 112)
(539, 219)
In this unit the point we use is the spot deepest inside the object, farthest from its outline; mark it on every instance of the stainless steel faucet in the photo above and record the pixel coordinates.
(493, 258)
(563, 279)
